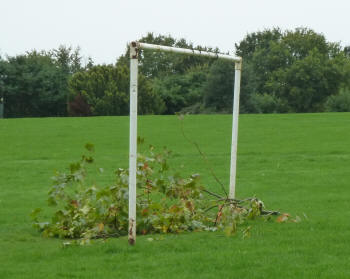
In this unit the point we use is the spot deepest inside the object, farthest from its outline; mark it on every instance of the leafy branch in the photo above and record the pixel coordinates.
(166, 203)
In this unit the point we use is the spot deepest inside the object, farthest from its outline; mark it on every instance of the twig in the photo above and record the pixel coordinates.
(267, 212)
(218, 215)
(213, 194)
(209, 208)
(204, 158)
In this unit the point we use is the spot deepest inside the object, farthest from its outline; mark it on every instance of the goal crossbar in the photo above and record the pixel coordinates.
(135, 47)
(187, 51)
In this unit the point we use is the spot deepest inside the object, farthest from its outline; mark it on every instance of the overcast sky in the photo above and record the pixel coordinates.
(102, 28)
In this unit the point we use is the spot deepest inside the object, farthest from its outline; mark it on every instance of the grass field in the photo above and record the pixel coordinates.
(296, 163)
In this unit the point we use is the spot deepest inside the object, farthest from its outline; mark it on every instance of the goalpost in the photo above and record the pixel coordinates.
(134, 51)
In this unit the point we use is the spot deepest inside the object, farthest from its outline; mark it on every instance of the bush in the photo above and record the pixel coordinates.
(78, 107)
(339, 102)
(266, 103)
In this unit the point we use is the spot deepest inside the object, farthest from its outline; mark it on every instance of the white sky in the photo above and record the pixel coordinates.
(102, 28)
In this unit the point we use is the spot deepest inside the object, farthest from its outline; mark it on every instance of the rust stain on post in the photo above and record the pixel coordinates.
(238, 65)
(131, 233)
(134, 50)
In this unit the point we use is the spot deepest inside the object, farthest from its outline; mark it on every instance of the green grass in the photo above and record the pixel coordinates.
(296, 163)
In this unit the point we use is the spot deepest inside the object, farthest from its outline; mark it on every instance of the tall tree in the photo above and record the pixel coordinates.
(172, 74)
(257, 40)
(155, 64)
(218, 87)
(105, 89)
(32, 86)
(69, 60)
(297, 68)
(36, 83)
(181, 91)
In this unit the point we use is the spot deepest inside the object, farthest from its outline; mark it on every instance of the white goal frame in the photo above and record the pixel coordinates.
(134, 51)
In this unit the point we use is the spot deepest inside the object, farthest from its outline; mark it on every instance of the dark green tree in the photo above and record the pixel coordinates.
(218, 88)
(69, 60)
(36, 83)
(257, 40)
(32, 86)
(172, 74)
(306, 84)
(105, 89)
(298, 69)
(155, 64)
(347, 51)
(182, 91)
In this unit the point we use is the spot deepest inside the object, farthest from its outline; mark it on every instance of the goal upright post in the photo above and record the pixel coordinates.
(235, 113)
(133, 143)
(134, 50)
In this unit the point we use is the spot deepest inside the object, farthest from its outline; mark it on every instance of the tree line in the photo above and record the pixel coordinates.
(283, 71)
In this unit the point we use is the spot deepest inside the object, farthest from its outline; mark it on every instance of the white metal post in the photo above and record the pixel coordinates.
(133, 142)
(235, 114)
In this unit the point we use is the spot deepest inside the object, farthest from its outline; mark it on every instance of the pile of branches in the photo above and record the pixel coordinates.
(166, 203)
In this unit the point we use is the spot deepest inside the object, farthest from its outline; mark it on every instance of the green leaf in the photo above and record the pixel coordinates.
(90, 147)
(34, 214)
(85, 210)
(51, 201)
(75, 167)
